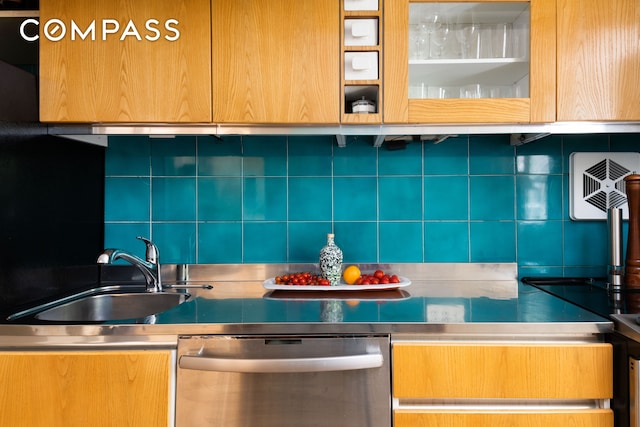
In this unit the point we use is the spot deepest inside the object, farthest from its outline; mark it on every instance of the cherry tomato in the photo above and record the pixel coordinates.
(378, 274)
(394, 279)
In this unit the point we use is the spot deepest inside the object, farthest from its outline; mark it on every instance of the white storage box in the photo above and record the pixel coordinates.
(360, 4)
(360, 32)
(361, 65)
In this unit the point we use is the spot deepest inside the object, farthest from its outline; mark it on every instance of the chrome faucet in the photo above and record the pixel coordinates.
(150, 268)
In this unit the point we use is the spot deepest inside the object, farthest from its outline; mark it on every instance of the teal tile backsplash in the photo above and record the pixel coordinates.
(273, 199)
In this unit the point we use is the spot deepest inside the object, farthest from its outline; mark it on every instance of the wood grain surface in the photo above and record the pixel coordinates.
(276, 62)
(599, 60)
(128, 80)
(501, 371)
(84, 388)
(581, 418)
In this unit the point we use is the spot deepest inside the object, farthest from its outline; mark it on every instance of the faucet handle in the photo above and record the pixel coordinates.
(152, 254)
(105, 257)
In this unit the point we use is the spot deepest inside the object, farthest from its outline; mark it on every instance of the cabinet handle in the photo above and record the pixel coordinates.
(310, 364)
(361, 63)
(359, 29)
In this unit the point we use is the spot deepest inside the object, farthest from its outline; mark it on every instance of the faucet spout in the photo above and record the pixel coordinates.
(150, 268)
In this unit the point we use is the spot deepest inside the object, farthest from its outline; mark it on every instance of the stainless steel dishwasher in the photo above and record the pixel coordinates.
(283, 381)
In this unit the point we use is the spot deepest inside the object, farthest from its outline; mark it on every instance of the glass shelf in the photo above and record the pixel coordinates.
(458, 72)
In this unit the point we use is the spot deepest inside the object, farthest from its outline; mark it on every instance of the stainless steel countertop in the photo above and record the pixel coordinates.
(627, 325)
(493, 305)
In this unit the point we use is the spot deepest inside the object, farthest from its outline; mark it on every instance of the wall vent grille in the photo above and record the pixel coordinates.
(596, 183)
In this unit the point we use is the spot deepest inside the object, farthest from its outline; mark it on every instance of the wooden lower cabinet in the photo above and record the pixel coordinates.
(454, 383)
(578, 418)
(499, 371)
(85, 388)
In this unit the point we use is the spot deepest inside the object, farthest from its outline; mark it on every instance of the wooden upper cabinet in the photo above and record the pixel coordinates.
(276, 61)
(136, 73)
(518, 87)
(598, 60)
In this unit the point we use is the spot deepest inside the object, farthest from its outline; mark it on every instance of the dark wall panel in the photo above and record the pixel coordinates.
(51, 216)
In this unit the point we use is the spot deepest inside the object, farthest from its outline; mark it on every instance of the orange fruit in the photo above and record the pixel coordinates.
(351, 274)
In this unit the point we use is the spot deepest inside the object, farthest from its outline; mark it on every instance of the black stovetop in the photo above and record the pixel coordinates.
(590, 293)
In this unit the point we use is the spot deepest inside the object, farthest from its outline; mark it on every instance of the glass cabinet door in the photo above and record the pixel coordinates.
(468, 50)
(469, 62)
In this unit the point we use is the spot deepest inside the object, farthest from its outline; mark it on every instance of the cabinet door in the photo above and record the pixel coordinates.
(538, 75)
(276, 61)
(502, 371)
(598, 60)
(581, 418)
(69, 389)
(120, 72)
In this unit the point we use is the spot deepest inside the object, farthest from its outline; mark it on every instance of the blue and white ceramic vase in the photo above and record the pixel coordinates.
(331, 261)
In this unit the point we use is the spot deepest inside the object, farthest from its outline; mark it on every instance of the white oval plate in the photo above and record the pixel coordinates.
(271, 284)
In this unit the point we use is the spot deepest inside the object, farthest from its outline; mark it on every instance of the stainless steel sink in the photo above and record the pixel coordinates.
(117, 306)
(104, 303)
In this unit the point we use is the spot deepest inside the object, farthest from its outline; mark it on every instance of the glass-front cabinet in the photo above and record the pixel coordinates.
(469, 62)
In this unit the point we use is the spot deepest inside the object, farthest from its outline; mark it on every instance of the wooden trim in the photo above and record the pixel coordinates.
(582, 418)
(396, 62)
(507, 110)
(361, 118)
(542, 75)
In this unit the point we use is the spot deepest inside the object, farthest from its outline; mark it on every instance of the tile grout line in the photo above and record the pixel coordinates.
(197, 200)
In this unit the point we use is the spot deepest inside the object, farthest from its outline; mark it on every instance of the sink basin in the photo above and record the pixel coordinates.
(115, 306)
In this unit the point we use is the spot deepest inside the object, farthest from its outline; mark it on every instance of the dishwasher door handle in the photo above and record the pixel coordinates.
(309, 364)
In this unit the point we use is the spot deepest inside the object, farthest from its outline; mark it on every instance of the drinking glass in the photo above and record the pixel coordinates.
(431, 18)
(520, 41)
(502, 40)
(419, 43)
(474, 91)
(485, 41)
(468, 35)
(418, 91)
(443, 92)
(439, 40)
(431, 24)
